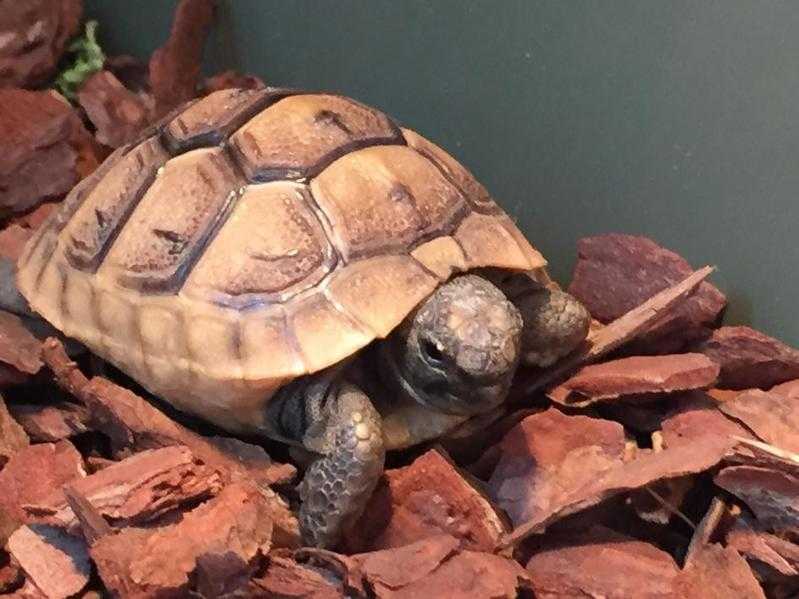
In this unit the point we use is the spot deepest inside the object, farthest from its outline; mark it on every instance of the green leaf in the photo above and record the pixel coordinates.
(88, 59)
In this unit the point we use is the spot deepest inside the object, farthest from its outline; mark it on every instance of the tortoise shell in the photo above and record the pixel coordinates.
(255, 236)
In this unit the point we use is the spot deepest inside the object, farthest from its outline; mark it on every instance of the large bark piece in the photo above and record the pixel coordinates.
(33, 473)
(427, 498)
(718, 573)
(12, 435)
(117, 113)
(637, 375)
(37, 160)
(175, 66)
(135, 490)
(601, 563)
(226, 533)
(285, 578)
(772, 495)
(749, 359)
(696, 418)
(132, 422)
(612, 478)
(19, 349)
(778, 554)
(547, 457)
(615, 273)
(772, 418)
(34, 34)
(434, 568)
(53, 422)
(56, 563)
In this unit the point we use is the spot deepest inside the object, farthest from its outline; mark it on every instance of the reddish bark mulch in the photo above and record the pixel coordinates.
(660, 459)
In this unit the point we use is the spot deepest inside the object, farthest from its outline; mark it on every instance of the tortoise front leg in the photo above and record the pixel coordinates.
(555, 322)
(344, 427)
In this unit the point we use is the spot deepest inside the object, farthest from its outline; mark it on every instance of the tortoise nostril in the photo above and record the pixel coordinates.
(432, 352)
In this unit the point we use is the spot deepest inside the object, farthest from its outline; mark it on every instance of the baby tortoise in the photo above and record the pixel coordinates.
(297, 266)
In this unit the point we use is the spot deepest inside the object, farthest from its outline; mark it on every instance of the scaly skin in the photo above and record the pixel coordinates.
(337, 486)
(458, 353)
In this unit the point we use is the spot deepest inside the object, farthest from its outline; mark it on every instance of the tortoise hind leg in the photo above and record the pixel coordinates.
(344, 427)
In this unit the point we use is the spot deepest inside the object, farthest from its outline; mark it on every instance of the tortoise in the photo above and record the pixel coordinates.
(296, 265)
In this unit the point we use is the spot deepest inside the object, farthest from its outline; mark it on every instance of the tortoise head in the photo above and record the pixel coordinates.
(459, 351)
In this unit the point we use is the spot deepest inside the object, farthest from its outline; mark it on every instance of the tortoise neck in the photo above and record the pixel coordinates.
(392, 375)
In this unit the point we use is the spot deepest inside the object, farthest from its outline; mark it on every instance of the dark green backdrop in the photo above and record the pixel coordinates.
(676, 120)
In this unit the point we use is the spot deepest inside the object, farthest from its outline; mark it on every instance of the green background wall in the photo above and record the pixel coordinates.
(676, 120)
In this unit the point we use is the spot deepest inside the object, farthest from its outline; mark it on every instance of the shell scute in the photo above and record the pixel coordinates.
(489, 241)
(385, 199)
(107, 205)
(267, 332)
(380, 292)
(271, 246)
(324, 333)
(443, 256)
(472, 189)
(299, 135)
(173, 219)
(212, 119)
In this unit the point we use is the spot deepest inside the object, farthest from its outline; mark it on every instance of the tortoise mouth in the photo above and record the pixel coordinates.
(477, 400)
(441, 395)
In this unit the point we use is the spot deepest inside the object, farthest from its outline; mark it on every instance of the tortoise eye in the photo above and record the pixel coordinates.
(432, 352)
